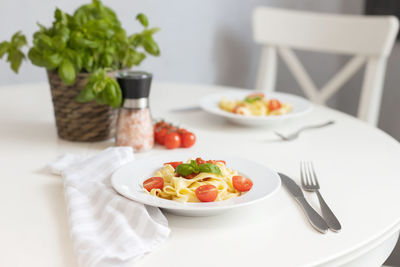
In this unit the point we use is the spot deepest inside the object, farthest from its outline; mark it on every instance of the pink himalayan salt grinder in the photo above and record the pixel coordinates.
(135, 125)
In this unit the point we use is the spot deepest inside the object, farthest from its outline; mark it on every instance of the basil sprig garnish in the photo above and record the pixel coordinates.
(188, 168)
(252, 99)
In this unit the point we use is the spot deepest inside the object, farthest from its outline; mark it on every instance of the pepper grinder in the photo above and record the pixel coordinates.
(135, 126)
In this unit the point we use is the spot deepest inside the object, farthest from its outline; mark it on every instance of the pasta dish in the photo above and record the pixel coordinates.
(197, 181)
(255, 105)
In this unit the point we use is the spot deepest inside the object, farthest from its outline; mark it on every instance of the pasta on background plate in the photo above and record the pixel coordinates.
(197, 181)
(255, 105)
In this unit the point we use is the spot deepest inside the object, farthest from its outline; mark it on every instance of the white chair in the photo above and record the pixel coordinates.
(369, 38)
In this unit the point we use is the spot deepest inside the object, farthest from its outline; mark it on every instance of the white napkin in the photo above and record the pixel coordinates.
(106, 228)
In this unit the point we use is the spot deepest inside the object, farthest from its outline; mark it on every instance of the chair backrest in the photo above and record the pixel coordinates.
(369, 38)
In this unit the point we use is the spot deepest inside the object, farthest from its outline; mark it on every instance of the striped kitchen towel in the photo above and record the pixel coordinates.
(106, 228)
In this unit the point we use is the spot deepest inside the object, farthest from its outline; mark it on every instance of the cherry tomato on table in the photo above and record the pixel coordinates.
(172, 140)
(241, 183)
(206, 193)
(274, 104)
(174, 164)
(160, 135)
(188, 139)
(153, 183)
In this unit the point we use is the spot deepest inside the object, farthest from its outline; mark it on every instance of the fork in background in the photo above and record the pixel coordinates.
(310, 183)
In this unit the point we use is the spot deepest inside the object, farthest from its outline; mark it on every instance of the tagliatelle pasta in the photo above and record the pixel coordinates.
(193, 187)
(255, 105)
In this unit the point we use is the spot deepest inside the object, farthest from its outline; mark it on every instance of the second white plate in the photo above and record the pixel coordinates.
(128, 181)
(210, 102)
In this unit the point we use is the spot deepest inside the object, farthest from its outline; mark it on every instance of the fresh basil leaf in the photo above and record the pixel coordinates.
(67, 72)
(18, 40)
(4, 46)
(36, 57)
(195, 166)
(15, 57)
(184, 169)
(142, 18)
(210, 168)
(252, 99)
(85, 95)
(150, 46)
(51, 61)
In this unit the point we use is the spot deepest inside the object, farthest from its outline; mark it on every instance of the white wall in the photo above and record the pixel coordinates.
(208, 41)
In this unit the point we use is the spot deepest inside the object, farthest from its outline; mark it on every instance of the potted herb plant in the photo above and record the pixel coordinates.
(81, 53)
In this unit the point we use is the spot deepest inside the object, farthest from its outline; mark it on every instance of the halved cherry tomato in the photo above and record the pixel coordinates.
(235, 109)
(172, 140)
(153, 183)
(200, 161)
(241, 183)
(206, 193)
(160, 135)
(174, 164)
(274, 104)
(188, 139)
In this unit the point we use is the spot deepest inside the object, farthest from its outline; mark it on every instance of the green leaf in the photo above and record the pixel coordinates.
(67, 72)
(18, 40)
(15, 57)
(142, 19)
(4, 46)
(86, 95)
(36, 57)
(252, 99)
(51, 60)
(184, 169)
(210, 168)
(114, 99)
(151, 31)
(195, 166)
(150, 46)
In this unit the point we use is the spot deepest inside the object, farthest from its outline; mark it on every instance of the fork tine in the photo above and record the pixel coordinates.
(314, 174)
(302, 174)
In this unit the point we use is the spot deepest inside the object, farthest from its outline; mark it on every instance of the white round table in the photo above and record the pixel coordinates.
(358, 168)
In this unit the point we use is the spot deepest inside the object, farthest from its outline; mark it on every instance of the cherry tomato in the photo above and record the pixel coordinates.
(200, 161)
(172, 140)
(235, 109)
(206, 193)
(241, 183)
(274, 104)
(153, 183)
(174, 164)
(160, 135)
(182, 131)
(188, 139)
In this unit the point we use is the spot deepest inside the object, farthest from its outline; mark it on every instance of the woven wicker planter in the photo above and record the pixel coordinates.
(80, 121)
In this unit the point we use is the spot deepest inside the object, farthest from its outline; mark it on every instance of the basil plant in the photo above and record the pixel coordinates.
(91, 40)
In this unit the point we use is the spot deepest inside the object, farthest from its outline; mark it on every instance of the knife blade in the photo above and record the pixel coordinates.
(313, 217)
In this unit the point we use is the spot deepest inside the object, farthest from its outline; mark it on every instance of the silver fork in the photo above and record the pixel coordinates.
(309, 182)
(296, 134)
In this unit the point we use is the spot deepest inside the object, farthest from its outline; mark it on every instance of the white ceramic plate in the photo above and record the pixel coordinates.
(300, 106)
(128, 181)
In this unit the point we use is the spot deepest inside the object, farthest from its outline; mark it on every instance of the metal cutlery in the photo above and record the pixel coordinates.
(314, 218)
(310, 183)
(296, 134)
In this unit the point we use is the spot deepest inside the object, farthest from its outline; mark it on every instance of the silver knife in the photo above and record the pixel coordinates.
(315, 219)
